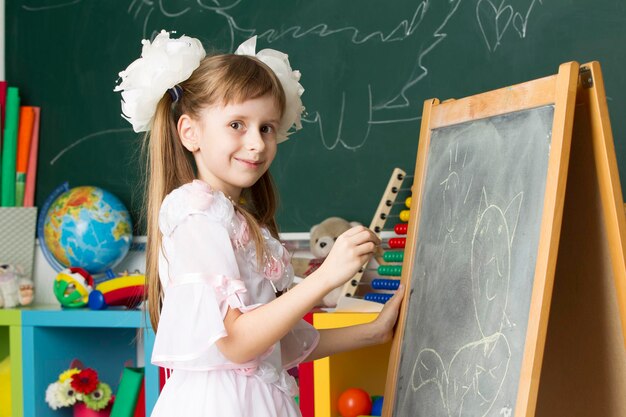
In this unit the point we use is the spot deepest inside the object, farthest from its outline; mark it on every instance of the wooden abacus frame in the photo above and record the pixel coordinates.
(378, 223)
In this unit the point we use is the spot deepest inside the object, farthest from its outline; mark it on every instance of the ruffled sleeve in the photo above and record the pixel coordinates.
(202, 253)
(201, 281)
(298, 344)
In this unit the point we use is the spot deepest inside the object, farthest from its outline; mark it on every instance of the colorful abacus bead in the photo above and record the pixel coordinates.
(397, 242)
(378, 297)
(393, 256)
(401, 228)
(390, 270)
(385, 284)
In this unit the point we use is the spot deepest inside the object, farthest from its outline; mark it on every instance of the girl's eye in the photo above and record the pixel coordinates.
(236, 125)
(267, 129)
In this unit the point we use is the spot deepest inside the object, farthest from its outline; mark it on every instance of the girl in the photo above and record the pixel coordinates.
(214, 263)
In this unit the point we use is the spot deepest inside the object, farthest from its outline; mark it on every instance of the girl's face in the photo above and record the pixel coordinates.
(233, 145)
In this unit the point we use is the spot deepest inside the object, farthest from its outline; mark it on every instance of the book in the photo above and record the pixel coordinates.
(3, 107)
(24, 137)
(31, 172)
(128, 392)
(9, 148)
(140, 407)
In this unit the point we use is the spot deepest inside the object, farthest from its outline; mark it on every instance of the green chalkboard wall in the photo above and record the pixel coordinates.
(367, 68)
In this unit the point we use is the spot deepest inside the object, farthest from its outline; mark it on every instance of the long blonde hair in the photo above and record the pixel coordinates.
(220, 79)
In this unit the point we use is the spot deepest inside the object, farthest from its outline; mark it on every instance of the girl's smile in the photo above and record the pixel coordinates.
(250, 163)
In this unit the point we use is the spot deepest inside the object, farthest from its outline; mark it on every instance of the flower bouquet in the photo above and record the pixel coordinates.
(82, 389)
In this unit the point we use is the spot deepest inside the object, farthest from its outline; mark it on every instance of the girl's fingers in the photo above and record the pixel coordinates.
(361, 233)
(355, 230)
(394, 301)
(363, 236)
(366, 248)
(397, 296)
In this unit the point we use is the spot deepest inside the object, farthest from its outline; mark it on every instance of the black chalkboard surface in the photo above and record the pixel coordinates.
(367, 67)
(479, 230)
(488, 179)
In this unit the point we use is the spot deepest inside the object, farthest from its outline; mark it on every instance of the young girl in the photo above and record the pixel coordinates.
(214, 262)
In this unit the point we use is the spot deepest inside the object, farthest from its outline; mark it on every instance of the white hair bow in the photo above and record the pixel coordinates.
(289, 79)
(164, 63)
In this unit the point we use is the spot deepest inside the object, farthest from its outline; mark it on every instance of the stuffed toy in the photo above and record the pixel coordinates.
(14, 289)
(322, 239)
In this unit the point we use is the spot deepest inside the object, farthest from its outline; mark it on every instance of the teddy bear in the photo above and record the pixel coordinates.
(322, 239)
(14, 289)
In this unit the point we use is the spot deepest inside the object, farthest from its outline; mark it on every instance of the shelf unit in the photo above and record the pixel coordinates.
(41, 342)
(103, 340)
(364, 368)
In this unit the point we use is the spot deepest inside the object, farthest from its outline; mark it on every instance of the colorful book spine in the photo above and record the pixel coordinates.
(24, 138)
(140, 407)
(3, 108)
(31, 172)
(9, 148)
(128, 392)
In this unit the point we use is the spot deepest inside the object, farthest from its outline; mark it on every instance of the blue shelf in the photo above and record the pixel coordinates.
(57, 317)
(103, 340)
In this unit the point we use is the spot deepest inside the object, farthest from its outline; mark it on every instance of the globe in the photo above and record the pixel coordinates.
(86, 227)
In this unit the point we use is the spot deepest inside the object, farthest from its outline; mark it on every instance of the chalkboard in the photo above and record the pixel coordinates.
(366, 67)
(488, 180)
(479, 231)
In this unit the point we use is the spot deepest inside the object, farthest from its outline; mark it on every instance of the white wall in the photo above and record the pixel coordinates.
(44, 275)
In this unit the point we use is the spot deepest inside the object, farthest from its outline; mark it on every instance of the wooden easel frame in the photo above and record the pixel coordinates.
(594, 98)
(584, 362)
(558, 90)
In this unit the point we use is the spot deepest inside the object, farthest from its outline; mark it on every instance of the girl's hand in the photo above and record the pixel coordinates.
(351, 251)
(382, 327)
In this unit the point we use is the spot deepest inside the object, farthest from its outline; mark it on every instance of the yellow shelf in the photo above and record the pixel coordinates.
(364, 368)
(11, 355)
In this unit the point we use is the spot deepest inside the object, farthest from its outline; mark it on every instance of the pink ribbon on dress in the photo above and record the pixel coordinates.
(270, 375)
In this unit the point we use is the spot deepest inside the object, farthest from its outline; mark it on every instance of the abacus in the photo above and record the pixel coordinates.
(391, 265)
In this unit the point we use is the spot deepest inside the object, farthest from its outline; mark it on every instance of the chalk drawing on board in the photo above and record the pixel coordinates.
(423, 28)
(356, 102)
(490, 261)
(37, 6)
(376, 99)
(478, 369)
(474, 263)
(94, 135)
(494, 20)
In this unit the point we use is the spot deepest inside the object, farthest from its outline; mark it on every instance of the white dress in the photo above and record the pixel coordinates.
(208, 264)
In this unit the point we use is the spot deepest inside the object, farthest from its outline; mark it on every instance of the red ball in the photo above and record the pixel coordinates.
(354, 402)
